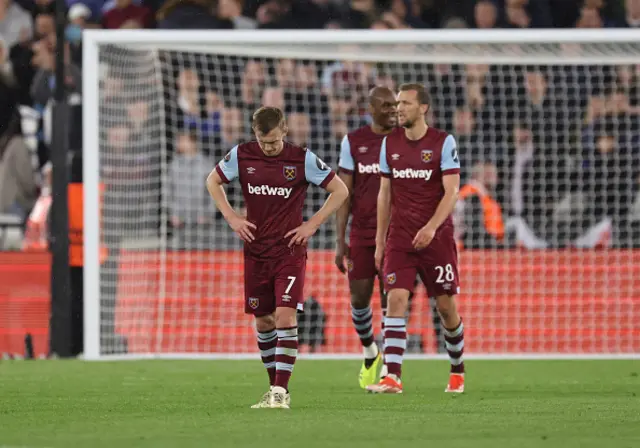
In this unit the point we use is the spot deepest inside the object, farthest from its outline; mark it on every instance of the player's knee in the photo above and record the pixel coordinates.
(285, 317)
(359, 300)
(265, 323)
(397, 302)
(446, 307)
(361, 291)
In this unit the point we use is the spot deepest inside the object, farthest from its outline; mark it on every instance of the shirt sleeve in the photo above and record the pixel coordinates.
(227, 169)
(316, 171)
(384, 166)
(346, 162)
(449, 162)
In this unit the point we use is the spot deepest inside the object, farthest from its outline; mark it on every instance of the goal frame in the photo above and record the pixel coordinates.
(249, 43)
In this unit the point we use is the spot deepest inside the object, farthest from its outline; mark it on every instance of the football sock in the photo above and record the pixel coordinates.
(384, 316)
(395, 343)
(286, 353)
(454, 343)
(267, 341)
(363, 322)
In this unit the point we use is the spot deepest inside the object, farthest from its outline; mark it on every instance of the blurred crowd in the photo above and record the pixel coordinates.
(555, 147)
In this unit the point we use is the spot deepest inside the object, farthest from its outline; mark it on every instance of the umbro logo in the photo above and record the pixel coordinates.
(363, 149)
(395, 156)
(251, 170)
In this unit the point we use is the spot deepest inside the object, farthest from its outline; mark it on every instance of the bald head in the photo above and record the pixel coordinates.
(382, 107)
(380, 93)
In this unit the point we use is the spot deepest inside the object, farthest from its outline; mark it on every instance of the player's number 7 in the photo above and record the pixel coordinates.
(291, 282)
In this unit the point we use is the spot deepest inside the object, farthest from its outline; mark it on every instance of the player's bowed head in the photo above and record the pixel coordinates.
(270, 129)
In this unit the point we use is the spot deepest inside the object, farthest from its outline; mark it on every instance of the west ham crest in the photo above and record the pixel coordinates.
(253, 303)
(427, 155)
(289, 172)
(349, 265)
(391, 278)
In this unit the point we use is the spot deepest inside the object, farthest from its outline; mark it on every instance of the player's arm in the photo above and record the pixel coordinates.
(450, 167)
(384, 210)
(346, 166)
(342, 215)
(318, 173)
(223, 173)
(384, 205)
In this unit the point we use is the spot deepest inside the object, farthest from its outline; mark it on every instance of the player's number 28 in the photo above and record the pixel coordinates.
(445, 273)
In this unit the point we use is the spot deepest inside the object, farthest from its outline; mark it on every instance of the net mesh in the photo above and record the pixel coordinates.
(554, 137)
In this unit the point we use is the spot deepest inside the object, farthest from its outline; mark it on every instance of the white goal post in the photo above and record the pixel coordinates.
(548, 119)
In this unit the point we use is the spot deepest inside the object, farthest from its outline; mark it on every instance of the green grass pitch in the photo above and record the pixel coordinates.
(517, 404)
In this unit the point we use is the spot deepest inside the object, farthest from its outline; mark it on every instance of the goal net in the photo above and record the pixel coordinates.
(548, 135)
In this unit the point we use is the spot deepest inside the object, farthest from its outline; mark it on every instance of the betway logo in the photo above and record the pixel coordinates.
(374, 168)
(266, 190)
(410, 173)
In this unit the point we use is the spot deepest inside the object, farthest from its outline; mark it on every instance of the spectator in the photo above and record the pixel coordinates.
(454, 23)
(611, 175)
(274, 97)
(36, 7)
(476, 86)
(478, 216)
(348, 75)
(126, 166)
(45, 24)
(127, 15)
(290, 14)
(209, 124)
(36, 235)
(231, 11)
(191, 211)
(44, 80)
(253, 81)
(464, 128)
(409, 12)
(138, 118)
(18, 189)
(189, 14)
(632, 17)
(485, 14)
(95, 7)
(189, 96)
(7, 75)
(285, 73)
(15, 23)
(299, 129)
(232, 127)
(517, 15)
(361, 14)
(589, 18)
(78, 17)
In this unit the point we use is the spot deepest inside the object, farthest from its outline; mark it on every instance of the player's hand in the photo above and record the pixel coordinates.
(243, 228)
(301, 234)
(424, 237)
(379, 255)
(342, 251)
